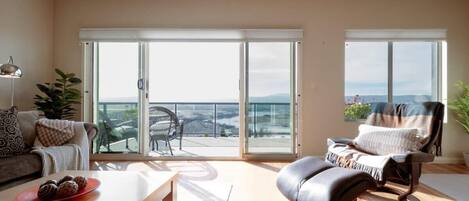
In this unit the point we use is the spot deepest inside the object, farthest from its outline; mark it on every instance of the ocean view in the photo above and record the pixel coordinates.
(384, 98)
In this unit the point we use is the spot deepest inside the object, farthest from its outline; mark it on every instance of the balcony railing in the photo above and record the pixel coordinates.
(213, 118)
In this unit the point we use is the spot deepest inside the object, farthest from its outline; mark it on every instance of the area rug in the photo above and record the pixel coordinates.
(203, 191)
(453, 185)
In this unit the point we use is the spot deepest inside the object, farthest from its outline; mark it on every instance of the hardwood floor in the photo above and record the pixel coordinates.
(255, 180)
(445, 169)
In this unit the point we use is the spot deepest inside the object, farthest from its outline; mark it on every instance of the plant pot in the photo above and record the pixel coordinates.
(466, 158)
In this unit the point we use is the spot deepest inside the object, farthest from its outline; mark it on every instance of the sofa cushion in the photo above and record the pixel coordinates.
(18, 166)
(27, 121)
(11, 139)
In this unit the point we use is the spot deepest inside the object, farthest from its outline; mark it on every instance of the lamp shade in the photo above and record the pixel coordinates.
(10, 70)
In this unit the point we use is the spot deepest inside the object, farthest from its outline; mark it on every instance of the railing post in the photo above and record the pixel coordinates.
(105, 109)
(273, 114)
(215, 120)
(255, 119)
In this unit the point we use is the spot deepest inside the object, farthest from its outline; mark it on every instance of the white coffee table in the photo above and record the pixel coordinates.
(115, 185)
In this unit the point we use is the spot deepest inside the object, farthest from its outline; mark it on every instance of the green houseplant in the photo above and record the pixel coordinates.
(357, 111)
(460, 107)
(59, 97)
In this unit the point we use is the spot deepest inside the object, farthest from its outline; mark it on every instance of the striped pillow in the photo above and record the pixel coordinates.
(383, 141)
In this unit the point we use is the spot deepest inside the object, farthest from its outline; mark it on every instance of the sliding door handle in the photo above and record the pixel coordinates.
(140, 84)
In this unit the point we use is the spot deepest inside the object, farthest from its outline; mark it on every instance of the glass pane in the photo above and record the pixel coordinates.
(117, 115)
(414, 73)
(269, 94)
(366, 75)
(199, 83)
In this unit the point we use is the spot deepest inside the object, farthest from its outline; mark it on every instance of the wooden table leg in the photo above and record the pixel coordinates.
(172, 195)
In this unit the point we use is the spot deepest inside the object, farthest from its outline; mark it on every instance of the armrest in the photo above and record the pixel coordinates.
(339, 140)
(413, 157)
(91, 130)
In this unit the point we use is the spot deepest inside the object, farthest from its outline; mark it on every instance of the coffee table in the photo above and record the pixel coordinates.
(115, 185)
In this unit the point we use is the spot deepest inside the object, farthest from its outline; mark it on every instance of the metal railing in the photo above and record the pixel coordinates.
(210, 112)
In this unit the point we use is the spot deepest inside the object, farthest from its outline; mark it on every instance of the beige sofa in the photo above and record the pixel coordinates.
(28, 166)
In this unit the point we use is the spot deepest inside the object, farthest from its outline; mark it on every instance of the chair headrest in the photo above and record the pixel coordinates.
(427, 116)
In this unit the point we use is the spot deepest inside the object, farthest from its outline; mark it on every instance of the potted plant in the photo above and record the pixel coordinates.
(460, 106)
(357, 111)
(59, 97)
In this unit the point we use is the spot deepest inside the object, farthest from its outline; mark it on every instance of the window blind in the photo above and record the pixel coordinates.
(395, 34)
(161, 34)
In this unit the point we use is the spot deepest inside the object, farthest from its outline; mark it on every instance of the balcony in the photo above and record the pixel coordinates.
(210, 129)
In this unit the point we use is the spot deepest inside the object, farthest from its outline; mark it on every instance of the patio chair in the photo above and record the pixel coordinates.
(114, 129)
(403, 168)
(165, 127)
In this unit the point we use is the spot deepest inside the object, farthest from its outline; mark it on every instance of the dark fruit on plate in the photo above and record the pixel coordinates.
(67, 188)
(49, 182)
(47, 191)
(81, 182)
(66, 178)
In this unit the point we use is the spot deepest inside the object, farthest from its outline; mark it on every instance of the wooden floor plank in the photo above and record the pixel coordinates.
(256, 180)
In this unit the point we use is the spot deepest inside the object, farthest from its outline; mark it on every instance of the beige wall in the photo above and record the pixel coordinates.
(26, 31)
(323, 21)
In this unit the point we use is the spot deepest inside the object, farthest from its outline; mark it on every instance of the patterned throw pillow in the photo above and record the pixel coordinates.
(52, 132)
(383, 141)
(11, 139)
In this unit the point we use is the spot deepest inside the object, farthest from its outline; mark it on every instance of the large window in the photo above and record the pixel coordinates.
(192, 92)
(389, 71)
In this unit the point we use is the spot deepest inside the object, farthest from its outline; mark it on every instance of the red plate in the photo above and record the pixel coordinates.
(31, 194)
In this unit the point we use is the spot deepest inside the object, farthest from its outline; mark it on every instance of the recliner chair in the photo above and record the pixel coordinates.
(402, 168)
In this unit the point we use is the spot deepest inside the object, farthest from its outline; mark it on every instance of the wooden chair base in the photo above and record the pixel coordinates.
(407, 195)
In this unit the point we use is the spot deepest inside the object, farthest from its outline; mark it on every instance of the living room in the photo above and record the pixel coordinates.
(234, 99)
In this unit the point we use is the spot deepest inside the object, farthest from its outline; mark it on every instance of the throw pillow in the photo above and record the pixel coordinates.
(364, 128)
(51, 132)
(383, 141)
(11, 139)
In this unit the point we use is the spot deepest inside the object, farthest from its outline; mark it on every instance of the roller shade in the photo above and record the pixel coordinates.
(396, 34)
(155, 34)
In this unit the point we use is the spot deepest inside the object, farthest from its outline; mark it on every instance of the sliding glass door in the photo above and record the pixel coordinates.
(197, 82)
(195, 99)
(116, 95)
(270, 81)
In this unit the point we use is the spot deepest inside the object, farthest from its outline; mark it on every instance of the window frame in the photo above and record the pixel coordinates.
(439, 58)
(89, 69)
(437, 50)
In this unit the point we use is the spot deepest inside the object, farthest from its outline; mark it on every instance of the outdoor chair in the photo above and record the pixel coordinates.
(401, 168)
(165, 126)
(114, 129)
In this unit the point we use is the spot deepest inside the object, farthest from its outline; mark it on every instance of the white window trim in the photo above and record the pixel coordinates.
(197, 35)
(395, 34)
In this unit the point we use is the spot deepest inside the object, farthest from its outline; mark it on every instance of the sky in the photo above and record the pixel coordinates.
(366, 68)
(193, 72)
(204, 72)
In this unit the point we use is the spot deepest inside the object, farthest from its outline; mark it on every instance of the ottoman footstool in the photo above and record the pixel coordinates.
(313, 179)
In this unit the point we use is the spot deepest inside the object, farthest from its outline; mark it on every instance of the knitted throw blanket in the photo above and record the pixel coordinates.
(52, 132)
(345, 156)
(73, 155)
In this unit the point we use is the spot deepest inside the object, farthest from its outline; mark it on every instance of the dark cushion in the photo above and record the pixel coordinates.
(19, 166)
(11, 139)
(338, 184)
(291, 177)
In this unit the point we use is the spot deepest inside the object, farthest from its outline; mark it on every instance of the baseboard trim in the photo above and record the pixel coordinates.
(449, 160)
